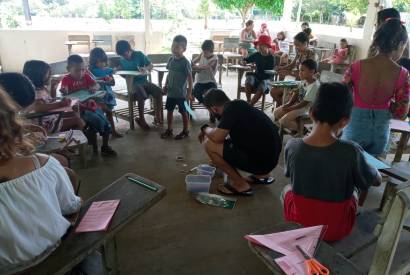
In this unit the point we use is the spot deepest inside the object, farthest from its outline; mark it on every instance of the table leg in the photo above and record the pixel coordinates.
(263, 102)
(110, 259)
(227, 66)
(401, 146)
(160, 78)
(240, 75)
(220, 73)
(70, 47)
(130, 86)
(83, 156)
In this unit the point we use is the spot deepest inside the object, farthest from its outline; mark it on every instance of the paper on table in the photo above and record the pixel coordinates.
(285, 242)
(98, 216)
(396, 124)
(84, 95)
(374, 162)
(134, 73)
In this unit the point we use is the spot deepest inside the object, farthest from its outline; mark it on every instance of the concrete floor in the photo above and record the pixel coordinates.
(179, 235)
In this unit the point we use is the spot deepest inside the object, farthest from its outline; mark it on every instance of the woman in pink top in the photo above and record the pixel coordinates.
(380, 89)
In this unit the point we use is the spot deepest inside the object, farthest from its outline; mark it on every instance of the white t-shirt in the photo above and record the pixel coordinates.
(31, 215)
(311, 91)
(208, 75)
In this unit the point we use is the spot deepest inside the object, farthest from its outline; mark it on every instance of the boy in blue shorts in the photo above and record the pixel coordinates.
(178, 79)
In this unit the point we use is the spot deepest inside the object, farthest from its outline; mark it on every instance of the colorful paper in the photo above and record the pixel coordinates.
(285, 242)
(372, 161)
(190, 111)
(98, 216)
(400, 125)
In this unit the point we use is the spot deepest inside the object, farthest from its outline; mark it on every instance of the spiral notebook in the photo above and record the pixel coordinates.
(98, 216)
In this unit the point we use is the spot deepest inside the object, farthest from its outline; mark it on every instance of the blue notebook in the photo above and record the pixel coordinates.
(372, 161)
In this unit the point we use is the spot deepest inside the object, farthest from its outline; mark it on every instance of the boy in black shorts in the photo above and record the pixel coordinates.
(178, 78)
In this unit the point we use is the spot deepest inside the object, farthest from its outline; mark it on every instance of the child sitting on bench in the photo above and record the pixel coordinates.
(256, 83)
(132, 60)
(327, 173)
(302, 97)
(104, 76)
(39, 73)
(78, 79)
(206, 64)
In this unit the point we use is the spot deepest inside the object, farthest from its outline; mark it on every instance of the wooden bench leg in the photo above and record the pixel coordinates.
(401, 146)
(263, 102)
(110, 259)
(130, 90)
(83, 156)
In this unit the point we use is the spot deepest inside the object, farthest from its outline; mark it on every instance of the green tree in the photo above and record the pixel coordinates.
(204, 11)
(245, 6)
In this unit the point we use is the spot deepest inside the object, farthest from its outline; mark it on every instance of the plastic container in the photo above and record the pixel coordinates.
(198, 183)
(205, 169)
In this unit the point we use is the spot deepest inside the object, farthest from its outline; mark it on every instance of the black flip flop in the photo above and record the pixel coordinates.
(264, 181)
(234, 192)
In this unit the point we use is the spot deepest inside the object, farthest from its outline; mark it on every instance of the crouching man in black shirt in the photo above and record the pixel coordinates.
(245, 139)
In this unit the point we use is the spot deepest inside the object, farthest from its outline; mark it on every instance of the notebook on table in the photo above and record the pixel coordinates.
(98, 216)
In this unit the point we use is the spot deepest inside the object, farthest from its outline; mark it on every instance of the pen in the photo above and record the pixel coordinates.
(148, 186)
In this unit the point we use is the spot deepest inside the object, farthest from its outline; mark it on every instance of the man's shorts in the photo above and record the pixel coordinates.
(172, 102)
(241, 160)
(256, 84)
(143, 91)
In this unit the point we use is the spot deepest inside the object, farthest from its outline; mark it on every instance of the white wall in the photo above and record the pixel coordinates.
(18, 46)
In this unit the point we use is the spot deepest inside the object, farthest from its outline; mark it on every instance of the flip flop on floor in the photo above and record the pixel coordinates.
(265, 181)
(234, 192)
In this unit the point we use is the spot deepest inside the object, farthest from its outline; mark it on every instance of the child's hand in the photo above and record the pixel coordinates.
(92, 90)
(65, 102)
(190, 98)
(64, 91)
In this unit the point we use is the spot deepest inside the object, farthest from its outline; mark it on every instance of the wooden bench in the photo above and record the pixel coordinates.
(134, 201)
(77, 40)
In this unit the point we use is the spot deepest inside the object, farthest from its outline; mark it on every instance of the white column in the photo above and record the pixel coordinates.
(287, 11)
(147, 21)
(368, 28)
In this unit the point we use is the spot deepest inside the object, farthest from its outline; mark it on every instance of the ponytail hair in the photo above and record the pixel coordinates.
(389, 35)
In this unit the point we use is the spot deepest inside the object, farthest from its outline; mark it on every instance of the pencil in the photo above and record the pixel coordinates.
(143, 184)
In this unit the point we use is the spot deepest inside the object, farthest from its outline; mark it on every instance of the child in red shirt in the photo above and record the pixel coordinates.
(78, 79)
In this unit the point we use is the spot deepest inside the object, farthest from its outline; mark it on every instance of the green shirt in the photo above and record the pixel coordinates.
(138, 60)
(179, 70)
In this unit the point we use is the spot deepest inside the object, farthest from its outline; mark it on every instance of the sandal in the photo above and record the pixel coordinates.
(233, 191)
(265, 181)
(168, 133)
(183, 134)
(142, 124)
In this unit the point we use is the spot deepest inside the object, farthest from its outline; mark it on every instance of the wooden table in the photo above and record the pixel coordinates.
(129, 78)
(322, 51)
(134, 201)
(53, 144)
(241, 71)
(328, 256)
(161, 70)
(403, 128)
(235, 57)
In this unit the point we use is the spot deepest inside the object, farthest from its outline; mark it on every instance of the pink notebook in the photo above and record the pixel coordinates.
(98, 216)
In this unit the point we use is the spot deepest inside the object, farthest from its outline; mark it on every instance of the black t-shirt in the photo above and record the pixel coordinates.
(251, 131)
(327, 173)
(263, 62)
